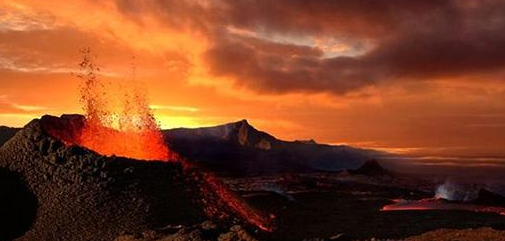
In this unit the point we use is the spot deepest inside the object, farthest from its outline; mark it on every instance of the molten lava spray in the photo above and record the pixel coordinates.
(126, 129)
(129, 129)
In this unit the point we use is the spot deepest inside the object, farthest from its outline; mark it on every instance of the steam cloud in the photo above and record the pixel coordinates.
(452, 191)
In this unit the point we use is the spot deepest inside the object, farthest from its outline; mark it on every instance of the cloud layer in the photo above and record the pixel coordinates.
(275, 48)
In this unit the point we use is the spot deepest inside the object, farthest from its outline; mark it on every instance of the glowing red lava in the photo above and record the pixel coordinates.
(437, 204)
(143, 144)
(239, 206)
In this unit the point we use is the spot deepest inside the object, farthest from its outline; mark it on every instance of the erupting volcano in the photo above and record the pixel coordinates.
(134, 133)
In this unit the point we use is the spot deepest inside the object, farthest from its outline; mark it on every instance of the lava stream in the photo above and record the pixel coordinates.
(436, 204)
(212, 184)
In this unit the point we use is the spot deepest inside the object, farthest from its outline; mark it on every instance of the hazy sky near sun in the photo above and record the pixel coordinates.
(409, 76)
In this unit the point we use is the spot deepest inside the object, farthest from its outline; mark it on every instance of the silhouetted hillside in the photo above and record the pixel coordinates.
(371, 168)
(240, 149)
(486, 197)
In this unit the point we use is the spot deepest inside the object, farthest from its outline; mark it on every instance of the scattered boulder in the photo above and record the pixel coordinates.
(236, 233)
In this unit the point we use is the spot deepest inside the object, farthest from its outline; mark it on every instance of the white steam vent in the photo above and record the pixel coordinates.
(452, 191)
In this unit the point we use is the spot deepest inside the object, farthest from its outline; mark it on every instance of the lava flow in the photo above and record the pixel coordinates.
(134, 133)
(231, 200)
(437, 204)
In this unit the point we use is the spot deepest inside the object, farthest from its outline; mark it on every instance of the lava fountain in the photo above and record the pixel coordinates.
(130, 130)
(134, 133)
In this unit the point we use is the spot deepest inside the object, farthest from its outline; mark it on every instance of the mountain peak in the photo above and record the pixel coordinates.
(309, 142)
(247, 135)
(240, 132)
(243, 122)
(371, 168)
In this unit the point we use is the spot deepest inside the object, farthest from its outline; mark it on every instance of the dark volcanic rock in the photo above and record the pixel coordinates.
(485, 197)
(79, 195)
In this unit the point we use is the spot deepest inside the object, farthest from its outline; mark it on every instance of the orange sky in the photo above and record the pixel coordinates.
(423, 78)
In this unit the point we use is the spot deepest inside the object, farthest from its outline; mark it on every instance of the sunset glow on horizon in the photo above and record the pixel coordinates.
(423, 77)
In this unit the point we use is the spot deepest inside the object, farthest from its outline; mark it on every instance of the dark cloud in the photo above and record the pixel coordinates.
(269, 71)
(336, 17)
(364, 18)
(410, 40)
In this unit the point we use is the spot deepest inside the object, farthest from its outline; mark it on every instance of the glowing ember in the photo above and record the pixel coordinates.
(437, 204)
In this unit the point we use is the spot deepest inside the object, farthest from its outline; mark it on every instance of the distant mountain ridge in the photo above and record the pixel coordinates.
(239, 148)
(240, 132)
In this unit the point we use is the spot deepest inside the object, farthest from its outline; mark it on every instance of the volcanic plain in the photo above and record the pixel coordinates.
(301, 190)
